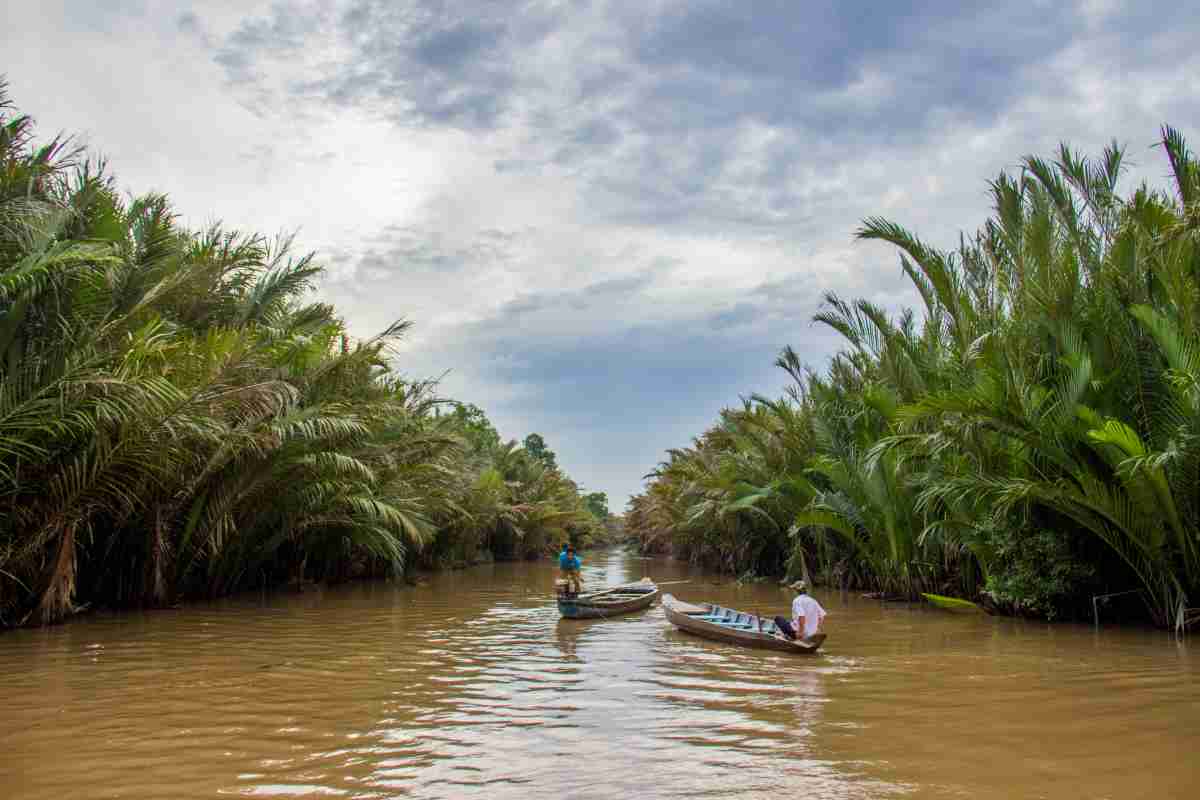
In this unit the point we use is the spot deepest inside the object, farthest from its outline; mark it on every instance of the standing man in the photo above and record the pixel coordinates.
(807, 614)
(569, 564)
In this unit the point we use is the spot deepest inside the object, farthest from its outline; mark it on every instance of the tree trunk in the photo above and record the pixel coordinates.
(54, 601)
(155, 590)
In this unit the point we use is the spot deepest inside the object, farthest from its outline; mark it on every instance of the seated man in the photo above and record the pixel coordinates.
(569, 564)
(807, 614)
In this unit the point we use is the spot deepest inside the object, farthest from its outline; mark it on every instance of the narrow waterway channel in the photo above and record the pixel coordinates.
(469, 685)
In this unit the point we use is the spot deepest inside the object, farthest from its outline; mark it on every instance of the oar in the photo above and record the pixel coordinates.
(627, 586)
(590, 595)
(778, 634)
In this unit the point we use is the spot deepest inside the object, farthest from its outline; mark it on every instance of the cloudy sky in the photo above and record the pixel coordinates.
(605, 218)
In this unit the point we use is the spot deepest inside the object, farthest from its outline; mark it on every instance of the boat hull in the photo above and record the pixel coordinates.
(608, 603)
(689, 618)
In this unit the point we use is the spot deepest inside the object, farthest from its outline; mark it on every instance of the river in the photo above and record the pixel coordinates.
(469, 685)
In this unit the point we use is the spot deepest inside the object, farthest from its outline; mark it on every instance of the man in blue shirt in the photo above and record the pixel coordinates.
(569, 564)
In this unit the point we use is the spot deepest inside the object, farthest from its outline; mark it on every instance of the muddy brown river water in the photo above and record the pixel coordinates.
(469, 685)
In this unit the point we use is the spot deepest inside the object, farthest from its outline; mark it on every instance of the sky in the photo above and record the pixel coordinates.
(604, 218)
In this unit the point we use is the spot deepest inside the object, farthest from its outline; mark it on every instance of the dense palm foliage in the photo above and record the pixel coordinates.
(1031, 438)
(178, 418)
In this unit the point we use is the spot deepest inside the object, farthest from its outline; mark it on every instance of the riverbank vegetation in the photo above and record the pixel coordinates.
(180, 418)
(1029, 438)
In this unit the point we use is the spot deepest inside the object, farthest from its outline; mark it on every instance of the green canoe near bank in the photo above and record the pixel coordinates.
(955, 604)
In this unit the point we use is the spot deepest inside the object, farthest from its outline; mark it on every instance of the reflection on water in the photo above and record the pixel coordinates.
(470, 685)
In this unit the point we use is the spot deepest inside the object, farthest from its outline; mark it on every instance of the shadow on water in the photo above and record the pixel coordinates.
(470, 685)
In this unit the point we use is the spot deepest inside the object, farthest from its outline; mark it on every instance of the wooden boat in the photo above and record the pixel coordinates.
(608, 602)
(737, 627)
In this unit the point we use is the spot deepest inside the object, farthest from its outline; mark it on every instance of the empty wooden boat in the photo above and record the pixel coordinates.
(736, 627)
(608, 602)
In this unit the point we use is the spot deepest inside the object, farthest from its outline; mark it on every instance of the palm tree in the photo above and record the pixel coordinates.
(178, 418)
(1044, 405)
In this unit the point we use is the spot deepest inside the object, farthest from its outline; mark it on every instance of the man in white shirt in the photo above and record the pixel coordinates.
(807, 614)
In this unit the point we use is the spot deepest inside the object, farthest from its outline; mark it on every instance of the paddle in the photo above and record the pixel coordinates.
(590, 595)
(635, 583)
(778, 634)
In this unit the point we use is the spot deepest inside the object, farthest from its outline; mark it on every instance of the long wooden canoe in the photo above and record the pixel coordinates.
(608, 602)
(737, 627)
